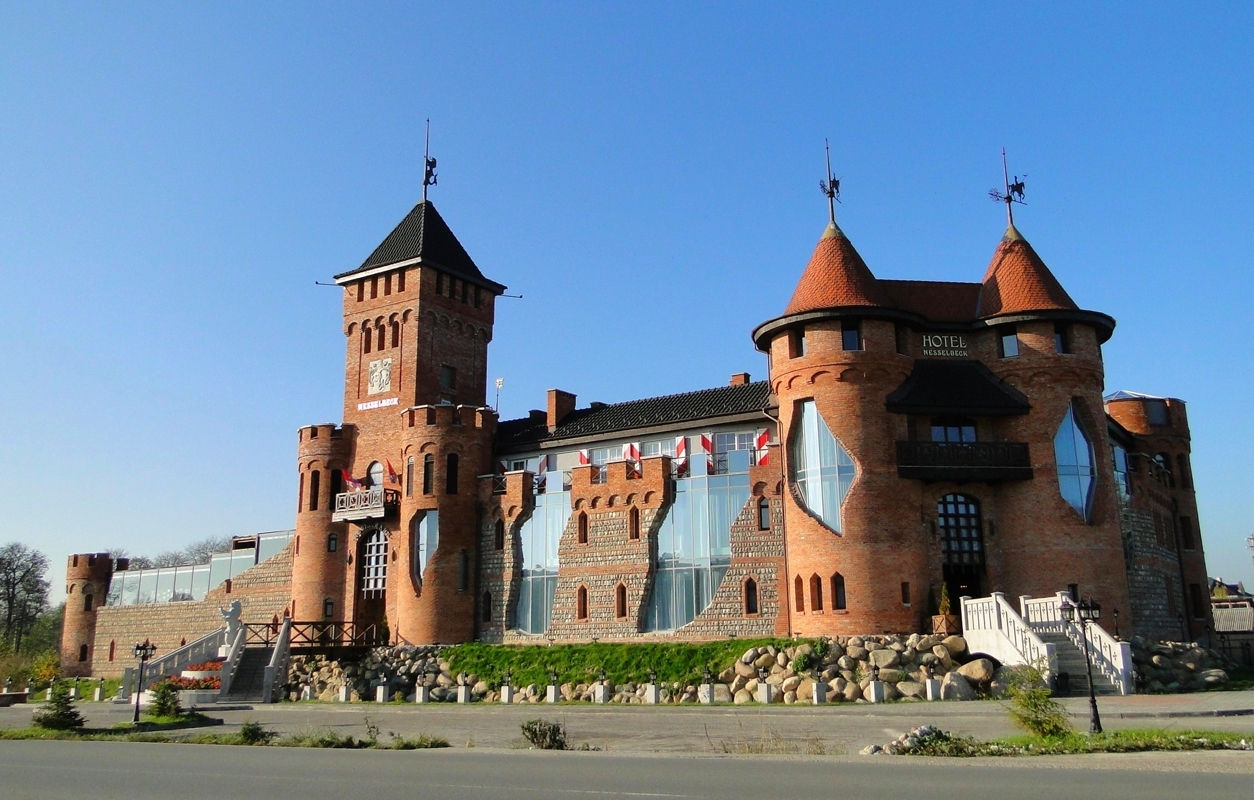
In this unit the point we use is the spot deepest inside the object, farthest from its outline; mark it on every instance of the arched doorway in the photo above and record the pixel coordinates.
(962, 545)
(372, 577)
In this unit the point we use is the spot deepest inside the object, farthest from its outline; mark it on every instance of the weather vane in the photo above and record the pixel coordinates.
(1013, 191)
(429, 176)
(830, 185)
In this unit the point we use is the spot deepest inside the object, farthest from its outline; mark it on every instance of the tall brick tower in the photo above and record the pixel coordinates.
(87, 577)
(391, 538)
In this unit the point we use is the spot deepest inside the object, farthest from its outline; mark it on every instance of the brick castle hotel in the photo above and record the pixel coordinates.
(911, 434)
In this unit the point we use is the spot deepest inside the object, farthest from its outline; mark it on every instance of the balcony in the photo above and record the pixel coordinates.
(964, 462)
(369, 504)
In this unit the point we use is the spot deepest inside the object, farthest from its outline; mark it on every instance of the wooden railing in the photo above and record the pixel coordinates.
(316, 634)
(964, 460)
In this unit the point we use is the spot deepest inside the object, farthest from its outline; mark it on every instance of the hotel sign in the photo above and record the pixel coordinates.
(388, 401)
(947, 345)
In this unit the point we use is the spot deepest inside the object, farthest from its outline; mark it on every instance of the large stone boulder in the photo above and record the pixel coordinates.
(979, 671)
(805, 690)
(956, 645)
(741, 697)
(955, 687)
(745, 670)
(1212, 677)
(853, 692)
(790, 684)
(892, 675)
(856, 653)
(764, 661)
(910, 689)
(885, 658)
(722, 694)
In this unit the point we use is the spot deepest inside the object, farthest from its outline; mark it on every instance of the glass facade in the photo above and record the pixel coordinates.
(822, 469)
(1073, 454)
(694, 541)
(1119, 456)
(426, 530)
(192, 581)
(540, 535)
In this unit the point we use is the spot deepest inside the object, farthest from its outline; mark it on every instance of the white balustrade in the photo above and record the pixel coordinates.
(232, 661)
(992, 626)
(276, 670)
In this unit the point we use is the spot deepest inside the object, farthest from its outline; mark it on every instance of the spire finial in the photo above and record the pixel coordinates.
(830, 186)
(1013, 191)
(428, 176)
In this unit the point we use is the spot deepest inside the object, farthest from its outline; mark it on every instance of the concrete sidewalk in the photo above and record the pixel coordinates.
(798, 729)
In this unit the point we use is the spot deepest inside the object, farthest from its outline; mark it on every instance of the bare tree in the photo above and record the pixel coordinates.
(23, 591)
(199, 552)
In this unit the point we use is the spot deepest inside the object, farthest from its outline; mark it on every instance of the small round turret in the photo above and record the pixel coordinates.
(87, 577)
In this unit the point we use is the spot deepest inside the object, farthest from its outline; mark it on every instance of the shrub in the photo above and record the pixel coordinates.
(421, 742)
(59, 714)
(165, 700)
(801, 663)
(251, 732)
(1033, 708)
(545, 735)
(944, 607)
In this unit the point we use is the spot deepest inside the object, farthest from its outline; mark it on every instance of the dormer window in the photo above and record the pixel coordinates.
(1007, 342)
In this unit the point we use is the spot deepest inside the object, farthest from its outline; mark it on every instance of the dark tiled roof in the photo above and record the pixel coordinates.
(675, 408)
(955, 387)
(935, 301)
(424, 234)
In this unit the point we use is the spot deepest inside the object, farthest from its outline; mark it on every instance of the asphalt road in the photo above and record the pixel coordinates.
(31, 770)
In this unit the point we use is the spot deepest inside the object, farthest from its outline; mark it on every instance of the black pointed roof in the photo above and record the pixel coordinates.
(424, 237)
(955, 387)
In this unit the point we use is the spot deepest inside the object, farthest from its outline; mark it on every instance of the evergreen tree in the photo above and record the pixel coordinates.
(59, 713)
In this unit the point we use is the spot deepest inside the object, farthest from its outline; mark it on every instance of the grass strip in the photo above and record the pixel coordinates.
(1122, 741)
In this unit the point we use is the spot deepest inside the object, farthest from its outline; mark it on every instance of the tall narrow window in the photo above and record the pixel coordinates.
(821, 467)
(300, 498)
(620, 601)
(82, 652)
(498, 534)
(87, 599)
(361, 291)
(400, 281)
(337, 482)
(315, 488)
(799, 594)
(1074, 457)
(485, 613)
(409, 477)
(751, 596)
(113, 646)
(1062, 339)
(633, 523)
(1123, 483)
(333, 542)
(374, 288)
(581, 603)
(1007, 341)
(396, 334)
(905, 593)
(1183, 463)
(816, 593)
(448, 377)
(367, 338)
(425, 530)
(838, 592)
(476, 297)
(387, 284)
(328, 608)
(582, 528)
(382, 336)
(764, 514)
(1186, 533)
(962, 536)
(374, 564)
(450, 474)
(439, 283)
(428, 474)
(850, 335)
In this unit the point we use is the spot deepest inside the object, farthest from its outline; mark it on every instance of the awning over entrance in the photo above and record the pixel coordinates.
(956, 387)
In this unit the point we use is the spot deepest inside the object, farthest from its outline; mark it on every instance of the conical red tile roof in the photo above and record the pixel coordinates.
(836, 276)
(1018, 280)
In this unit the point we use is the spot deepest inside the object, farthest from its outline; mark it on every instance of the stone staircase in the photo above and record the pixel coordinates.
(250, 675)
(1071, 661)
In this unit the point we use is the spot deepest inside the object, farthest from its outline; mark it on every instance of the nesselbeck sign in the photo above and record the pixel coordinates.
(945, 344)
(369, 404)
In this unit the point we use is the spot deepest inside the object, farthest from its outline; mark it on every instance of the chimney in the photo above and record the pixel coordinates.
(560, 404)
(739, 379)
(536, 415)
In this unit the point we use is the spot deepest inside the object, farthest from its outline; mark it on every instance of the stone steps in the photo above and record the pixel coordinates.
(250, 674)
(1071, 661)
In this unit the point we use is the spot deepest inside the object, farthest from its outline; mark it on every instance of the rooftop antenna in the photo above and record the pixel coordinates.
(1013, 191)
(428, 176)
(830, 186)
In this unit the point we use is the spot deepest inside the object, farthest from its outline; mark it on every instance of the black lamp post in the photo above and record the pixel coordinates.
(1087, 611)
(508, 677)
(143, 652)
(1117, 625)
(653, 677)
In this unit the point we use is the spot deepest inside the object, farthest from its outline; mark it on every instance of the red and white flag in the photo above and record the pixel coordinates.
(583, 458)
(681, 455)
(631, 454)
(393, 475)
(707, 447)
(352, 483)
(763, 439)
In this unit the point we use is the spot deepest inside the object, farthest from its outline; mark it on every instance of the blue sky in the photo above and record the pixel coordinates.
(175, 177)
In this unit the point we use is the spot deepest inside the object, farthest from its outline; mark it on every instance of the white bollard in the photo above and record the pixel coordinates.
(652, 694)
(933, 688)
(600, 694)
(875, 691)
(463, 694)
(98, 695)
(343, 694)
(766, 693)
(705, 694)
(552, 694)
(422, 694)
(380, 694)
(507, 695)
(820, 693)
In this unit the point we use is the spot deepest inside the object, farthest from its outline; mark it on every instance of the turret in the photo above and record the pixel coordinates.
(320, 553)
(87, 578)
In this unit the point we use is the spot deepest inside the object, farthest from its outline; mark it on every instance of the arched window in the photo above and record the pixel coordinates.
(315, 486)
(375, 473)
(409, 477)
(113, 646)
(337, 482)
(1074, 456)
(498, 534)
(300, 497)
(822, 469)
(1164, 463)
(367, 339)
(485, 613)
(583, 528)
(333, 542)
(374, 564)
(82, 652)
(764, 514)
(428, 474)
(953, 430)
(450, 474)
(382, 337)
(396, 334)
(962, 540)
(838, 592)
(328, 608)
(751, 596)
(799, 594)
(620, 601)
(816, 593)
(581, 603)
(87, 602)
(633, 523)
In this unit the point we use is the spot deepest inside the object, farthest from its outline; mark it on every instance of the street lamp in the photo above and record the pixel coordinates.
(1117, 625)
(143, 652)
(1088, 611)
